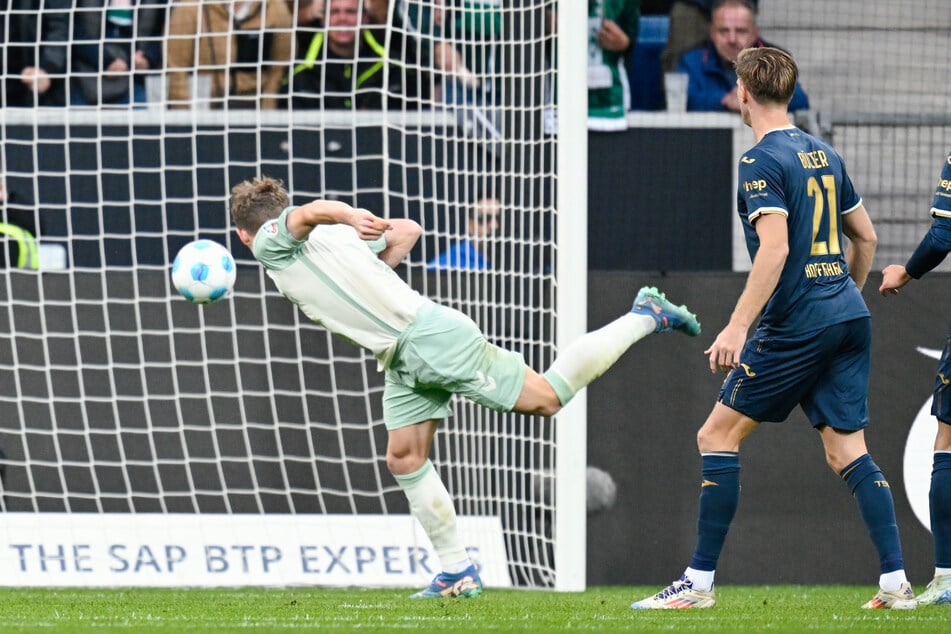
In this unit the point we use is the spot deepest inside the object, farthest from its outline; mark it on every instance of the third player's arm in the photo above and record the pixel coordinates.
(931, 251)
(857, 226)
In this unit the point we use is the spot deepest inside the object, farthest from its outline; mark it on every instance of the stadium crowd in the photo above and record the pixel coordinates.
(263, 54)
(300, 54)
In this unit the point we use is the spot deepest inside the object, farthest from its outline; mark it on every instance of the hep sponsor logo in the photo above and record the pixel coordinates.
(754, 186)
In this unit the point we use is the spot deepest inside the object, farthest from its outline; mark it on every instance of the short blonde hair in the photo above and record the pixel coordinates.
(255, 201)
(769, 74)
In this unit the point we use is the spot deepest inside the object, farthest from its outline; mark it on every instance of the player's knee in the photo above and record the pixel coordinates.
(539, 409)
(838, 458)
(550, 406)
(709, 439)
(836, 462)
(538, 399)
(705, 440)
(401, 461)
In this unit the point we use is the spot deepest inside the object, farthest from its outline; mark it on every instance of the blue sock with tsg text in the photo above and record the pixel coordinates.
(719, 497)
(874, 497)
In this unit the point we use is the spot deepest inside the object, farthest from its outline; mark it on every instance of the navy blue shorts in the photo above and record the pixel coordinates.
(825, 371)
(941, 404)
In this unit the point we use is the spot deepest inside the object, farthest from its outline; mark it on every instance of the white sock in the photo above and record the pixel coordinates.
(891, 581)
(455, 569)
(702, 579)
(942, 571)
(429, 502)
(589, 356)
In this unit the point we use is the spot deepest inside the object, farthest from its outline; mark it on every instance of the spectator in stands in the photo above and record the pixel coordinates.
(712, 79)
(612, 32)
(35, 52)
(309, 12)
(115, 43)
(341, 64)
(476, 27)
(244, 48)
(436, 54)
(689, 28)
(470, 252)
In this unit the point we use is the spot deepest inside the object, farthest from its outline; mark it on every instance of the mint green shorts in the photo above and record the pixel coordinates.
(442, 353)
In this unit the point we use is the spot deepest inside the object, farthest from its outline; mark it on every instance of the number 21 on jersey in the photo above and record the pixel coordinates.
(824, 203)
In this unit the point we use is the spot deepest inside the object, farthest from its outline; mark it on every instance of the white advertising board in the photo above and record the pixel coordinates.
(74, 549)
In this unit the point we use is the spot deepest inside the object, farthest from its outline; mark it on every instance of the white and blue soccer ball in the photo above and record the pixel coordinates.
(204, 272)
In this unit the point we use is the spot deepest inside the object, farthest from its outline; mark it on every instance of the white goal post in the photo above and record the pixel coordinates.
(148, 441)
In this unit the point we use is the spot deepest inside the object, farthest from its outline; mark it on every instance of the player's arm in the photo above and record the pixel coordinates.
(857, 226)
(302, 220)
(931, 251)
(768, 265)
(401, 237)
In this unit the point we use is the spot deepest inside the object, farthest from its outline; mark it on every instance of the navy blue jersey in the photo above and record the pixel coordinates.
(941, 206)
(936, 244)
(794, 174)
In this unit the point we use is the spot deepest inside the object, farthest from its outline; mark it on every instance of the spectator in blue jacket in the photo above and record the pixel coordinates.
(712, 80)
(689, 28)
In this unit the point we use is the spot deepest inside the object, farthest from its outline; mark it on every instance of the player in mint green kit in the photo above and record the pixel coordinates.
(335, 263)
(811, 345)
(931, 251)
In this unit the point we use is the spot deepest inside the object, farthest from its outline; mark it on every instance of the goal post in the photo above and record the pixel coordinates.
(148, 441)
(572, 306)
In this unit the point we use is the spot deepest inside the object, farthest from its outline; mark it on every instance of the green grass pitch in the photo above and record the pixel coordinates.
(604, 609)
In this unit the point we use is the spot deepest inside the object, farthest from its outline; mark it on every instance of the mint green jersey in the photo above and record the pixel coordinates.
(339, 282)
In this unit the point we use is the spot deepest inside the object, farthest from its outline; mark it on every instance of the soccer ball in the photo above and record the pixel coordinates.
(203, 272)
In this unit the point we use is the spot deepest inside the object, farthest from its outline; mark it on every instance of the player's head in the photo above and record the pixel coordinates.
(732, 27)
(767, 75)
(254, 202)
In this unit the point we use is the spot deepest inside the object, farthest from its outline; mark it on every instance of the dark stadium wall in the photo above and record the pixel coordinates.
(643, 190)
(661, 199)
(796, 522)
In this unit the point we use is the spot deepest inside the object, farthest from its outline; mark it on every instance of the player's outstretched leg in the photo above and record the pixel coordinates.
(465, 584)
(680, 594)
(650, 301)
(938, 592)
(901, 599)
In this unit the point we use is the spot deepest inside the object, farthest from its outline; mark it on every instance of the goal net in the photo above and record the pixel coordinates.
(130, 415)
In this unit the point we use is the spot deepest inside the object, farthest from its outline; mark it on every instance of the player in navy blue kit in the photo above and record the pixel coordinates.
(931, 251)
(811, 345)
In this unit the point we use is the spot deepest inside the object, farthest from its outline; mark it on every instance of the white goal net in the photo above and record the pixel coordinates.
(120, 399)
